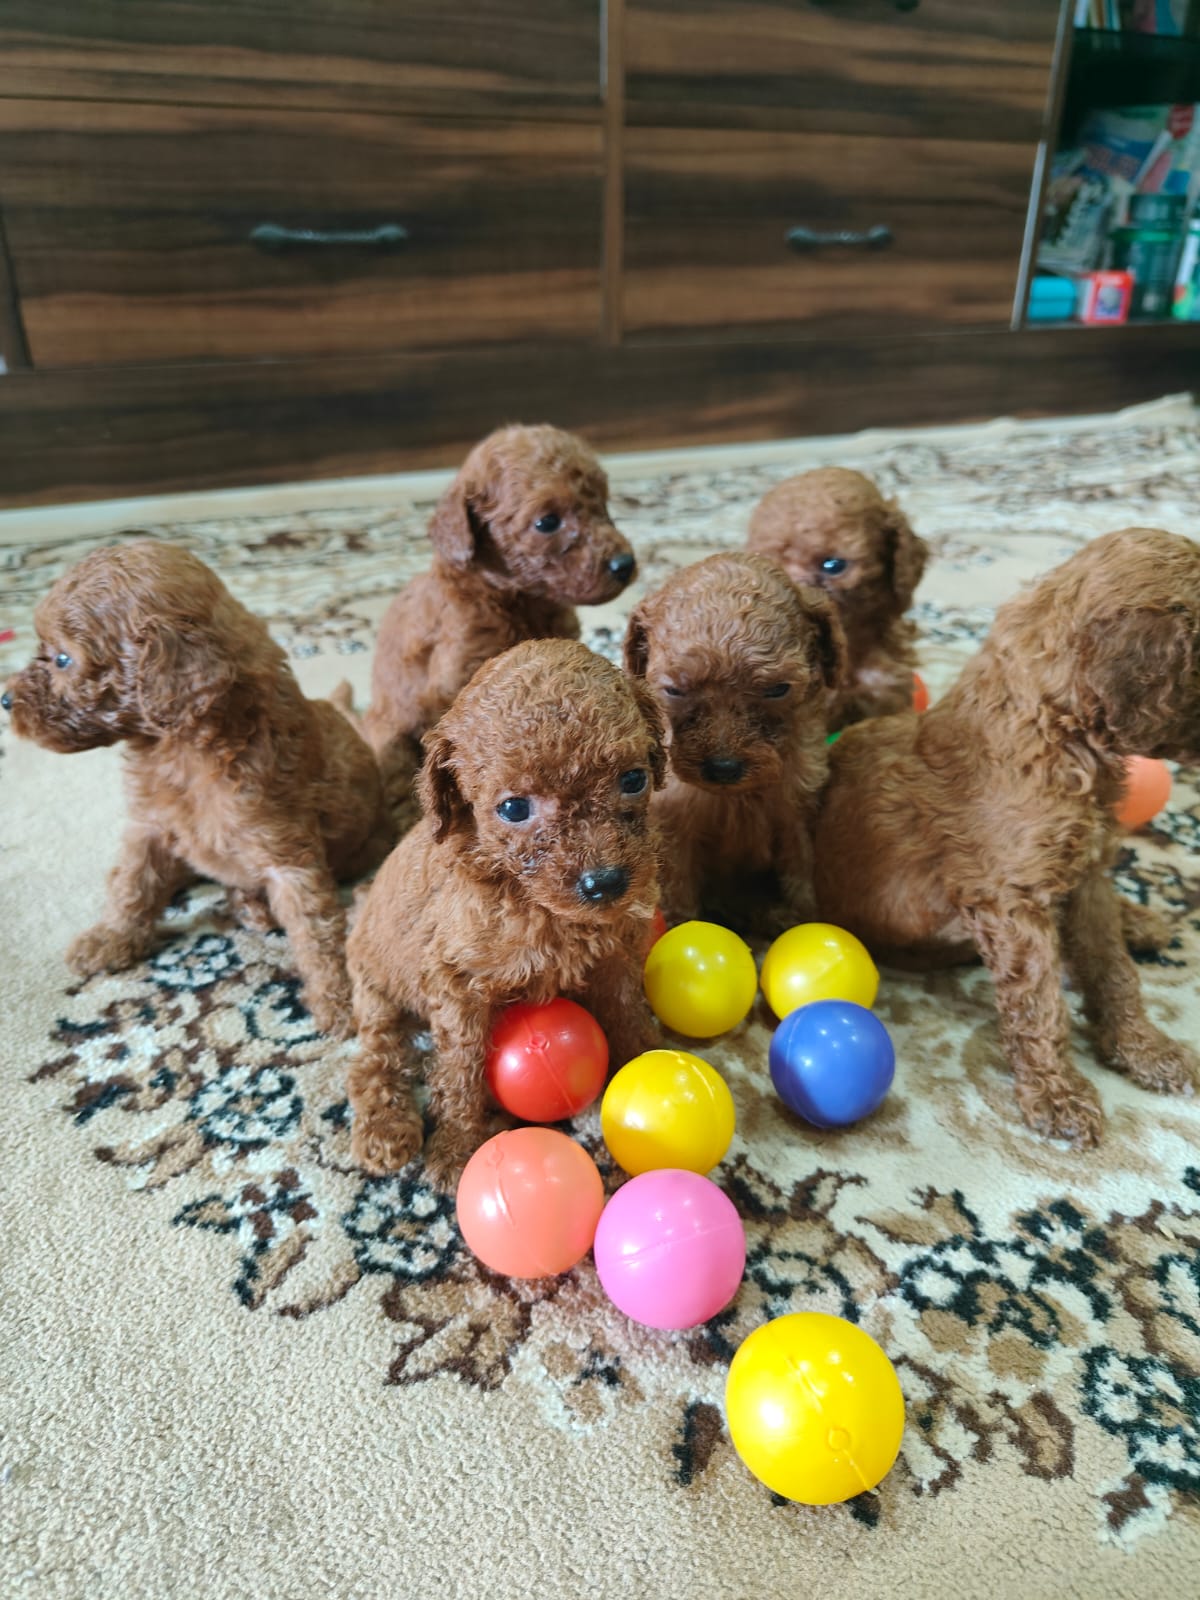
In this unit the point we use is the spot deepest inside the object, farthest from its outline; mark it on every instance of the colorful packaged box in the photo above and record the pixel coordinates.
(1105, 297)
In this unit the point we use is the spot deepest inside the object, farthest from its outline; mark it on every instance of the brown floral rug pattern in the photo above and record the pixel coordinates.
(1029, 1296)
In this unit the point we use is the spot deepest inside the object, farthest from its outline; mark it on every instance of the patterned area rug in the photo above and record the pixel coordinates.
(232, 1366)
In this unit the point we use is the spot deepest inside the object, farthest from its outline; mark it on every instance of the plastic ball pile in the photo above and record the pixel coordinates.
(813, 1404)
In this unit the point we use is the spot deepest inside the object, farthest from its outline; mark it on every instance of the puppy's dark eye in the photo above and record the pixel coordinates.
(550, 523)
(672, 689)
(834, 565)
(62, 659)
(633, 781)
(776, 691)
(515, 809)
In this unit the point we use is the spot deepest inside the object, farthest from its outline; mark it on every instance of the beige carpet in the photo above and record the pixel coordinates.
(230, 1367)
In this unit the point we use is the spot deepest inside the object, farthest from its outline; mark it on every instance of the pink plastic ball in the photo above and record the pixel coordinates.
(670, 1249)
(528, 1202)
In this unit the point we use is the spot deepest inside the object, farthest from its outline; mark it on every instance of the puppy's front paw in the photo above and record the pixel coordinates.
(386, 1140)
(251, 911)
(1063, 1106)
(1156, 1062)
(107, 949)
(1144, 928)
(331, 1009)
(449, 1151)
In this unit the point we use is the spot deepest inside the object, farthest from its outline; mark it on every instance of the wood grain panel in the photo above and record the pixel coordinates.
(969, 69)
(707, 214)
(131, 230)
(12, 334)
(485, 56)
(89, 434)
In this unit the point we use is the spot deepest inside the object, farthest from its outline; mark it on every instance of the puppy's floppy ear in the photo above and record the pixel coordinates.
(652, 712)
(1136, 674)
(179, 672)
(829, 641)
(905, 554)
(637, 645)
(441, 799)
(452, 528)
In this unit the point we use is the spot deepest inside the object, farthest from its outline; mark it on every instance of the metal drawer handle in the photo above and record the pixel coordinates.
(876, 238)
(271, 236)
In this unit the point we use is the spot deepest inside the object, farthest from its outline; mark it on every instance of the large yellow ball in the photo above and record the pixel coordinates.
(814, 1408)
(667, 1108)
(700, 979)
(817, 961)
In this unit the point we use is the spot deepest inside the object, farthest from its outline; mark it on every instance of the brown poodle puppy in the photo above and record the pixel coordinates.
(745, 663)
(520, 537)
(832, 529)
(987, 825)
(531, 875)
(230, 773)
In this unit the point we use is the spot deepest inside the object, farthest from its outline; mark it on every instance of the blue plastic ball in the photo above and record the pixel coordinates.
(832, 1062)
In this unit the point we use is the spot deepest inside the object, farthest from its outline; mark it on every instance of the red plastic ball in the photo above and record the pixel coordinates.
(920, 693)
(546, 1062)
(528, 1203)
(658, 926)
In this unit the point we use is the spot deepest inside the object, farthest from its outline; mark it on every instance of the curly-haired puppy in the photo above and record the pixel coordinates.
(987, 823)
(744, 663)
(520, 537)
(532, 874)
(833, 530)
(230, 773)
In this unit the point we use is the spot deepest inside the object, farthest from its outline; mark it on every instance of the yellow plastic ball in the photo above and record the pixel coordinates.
(700, 979)
(817, 961)
(814, 1408)
(667, 1108)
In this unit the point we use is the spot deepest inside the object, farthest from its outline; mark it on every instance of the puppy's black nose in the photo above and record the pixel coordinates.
(603, 883)
(723, 769)
(6, 700)
(622, 567)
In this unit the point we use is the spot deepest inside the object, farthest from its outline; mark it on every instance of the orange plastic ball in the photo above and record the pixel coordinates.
(546, 1062)
(1147, 790)
(528, 1203)
(920, 693)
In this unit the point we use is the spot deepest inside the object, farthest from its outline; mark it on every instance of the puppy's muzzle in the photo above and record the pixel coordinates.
(601, 885)
(622, 567)
(6, 700)
(723, 769)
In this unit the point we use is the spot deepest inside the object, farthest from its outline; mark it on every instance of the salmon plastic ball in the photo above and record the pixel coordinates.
(670, 1249)
(528, 1203)
(814, 1408)
(816, 961)
(1147, 790)
(700, 979)
(667, 1108)
(546, 1062)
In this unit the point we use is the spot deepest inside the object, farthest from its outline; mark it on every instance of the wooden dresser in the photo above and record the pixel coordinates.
(248, 243)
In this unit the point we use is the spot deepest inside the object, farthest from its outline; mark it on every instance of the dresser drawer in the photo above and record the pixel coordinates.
(155, 234)
(709, 216)
(970, 69)
(466, 58)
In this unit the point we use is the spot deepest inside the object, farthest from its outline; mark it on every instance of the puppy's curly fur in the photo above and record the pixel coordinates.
(832, 529)
(497, 578)
(230, 773)
(533, 873)
(745, 663)
(986, 824)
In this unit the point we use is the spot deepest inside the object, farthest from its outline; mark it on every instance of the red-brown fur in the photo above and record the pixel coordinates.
(230, 773)
(470, 912)
(495, 581)
(986, 824)
(713, 643)
(835, 514)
